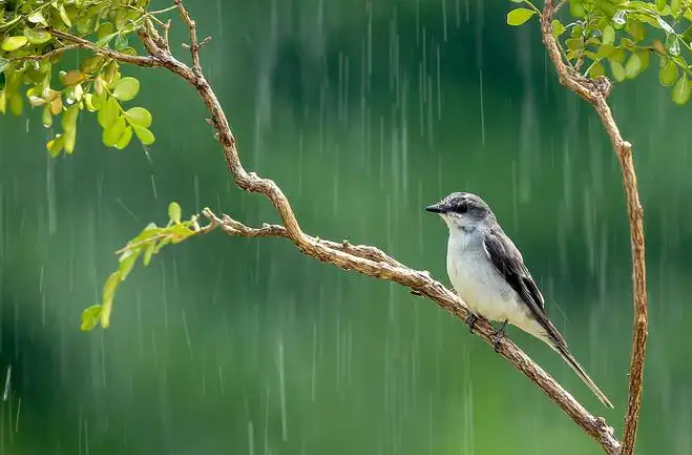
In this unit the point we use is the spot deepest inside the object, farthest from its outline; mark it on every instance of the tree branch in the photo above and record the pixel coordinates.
(596, 93)
(363, 259)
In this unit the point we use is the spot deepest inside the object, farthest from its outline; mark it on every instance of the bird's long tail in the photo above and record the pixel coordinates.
(569, 358)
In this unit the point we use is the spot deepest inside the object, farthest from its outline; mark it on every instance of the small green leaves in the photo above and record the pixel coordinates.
(148, 243)
(597, 70)
(558, 28)
(91, 317)
(175, 212)
(682, 90)
(113, 132)
(124, 139)
(109, 113)
(617, 69)
(519, 15)
(35, 36)
(29, 52)
(126, 89)
(668, 73)
(12, 43)
(139, 116)
(608, 35)
(145, 136)
(55, 145)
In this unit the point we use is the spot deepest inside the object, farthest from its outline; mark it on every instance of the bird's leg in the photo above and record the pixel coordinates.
(497, 335)
(471, 321)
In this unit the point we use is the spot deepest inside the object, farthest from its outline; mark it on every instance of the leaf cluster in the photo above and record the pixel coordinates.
(620, 37)
(30, 54)
(145, 245)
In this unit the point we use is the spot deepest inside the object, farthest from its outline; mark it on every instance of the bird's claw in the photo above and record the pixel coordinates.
(498, 335)
(471, 321)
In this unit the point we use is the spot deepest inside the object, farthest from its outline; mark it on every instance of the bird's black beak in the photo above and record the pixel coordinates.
(435, 208)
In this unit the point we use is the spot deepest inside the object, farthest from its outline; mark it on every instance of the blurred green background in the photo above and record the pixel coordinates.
(363, 111)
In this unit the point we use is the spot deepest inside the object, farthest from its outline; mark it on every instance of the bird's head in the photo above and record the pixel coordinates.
(464, 211)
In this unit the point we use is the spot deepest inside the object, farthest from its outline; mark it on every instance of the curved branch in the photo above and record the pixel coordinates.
(596, 93)
(363, 259)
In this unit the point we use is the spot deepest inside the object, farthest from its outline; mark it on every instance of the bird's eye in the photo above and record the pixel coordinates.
(462, 208)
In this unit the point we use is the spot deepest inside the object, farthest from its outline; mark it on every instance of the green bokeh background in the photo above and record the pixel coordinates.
(363, 111)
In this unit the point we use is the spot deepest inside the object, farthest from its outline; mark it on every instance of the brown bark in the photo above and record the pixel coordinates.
(596, 93)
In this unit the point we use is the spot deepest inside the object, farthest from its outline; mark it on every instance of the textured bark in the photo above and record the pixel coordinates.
(596, 93)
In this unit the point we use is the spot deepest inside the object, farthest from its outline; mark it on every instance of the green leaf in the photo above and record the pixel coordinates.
(113, 132)
(675, 6)
(108, 293)
(90, 317)
(618, 54)
(597, 70)
(55, 146)
(16, 104)
(668, 73)
(36, 18)
(73, 77)
(633, 66)
(138, 116)
(148, 253)
(558, 28)
(4, 63)
(519, 16)
(180, 232)
(105, 29)
(127, 262)
(63, 15)
(617, 69)
(37, 36)
(145, 136)
(70, 140)
(682, 90)
(109, 113)
(69, 118)
(124, 139)
(577, 9)
(12, 43)
(47, 117)
(637, 30)
(574, 44)
(608, 35)
(660, 5)
(605, 51)
(175, 213)
(126, 89)
(90, 64)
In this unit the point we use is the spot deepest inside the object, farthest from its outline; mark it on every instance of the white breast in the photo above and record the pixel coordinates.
(477, 281)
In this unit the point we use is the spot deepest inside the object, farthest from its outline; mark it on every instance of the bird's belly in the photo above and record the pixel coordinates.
(484, 293)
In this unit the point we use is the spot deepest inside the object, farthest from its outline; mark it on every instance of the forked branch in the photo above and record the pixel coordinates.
(596, 93)
(363, 259)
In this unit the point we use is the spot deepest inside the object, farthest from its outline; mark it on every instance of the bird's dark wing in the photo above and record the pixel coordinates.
(508, 261)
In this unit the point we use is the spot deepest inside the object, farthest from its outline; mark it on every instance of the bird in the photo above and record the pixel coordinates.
(488, 272)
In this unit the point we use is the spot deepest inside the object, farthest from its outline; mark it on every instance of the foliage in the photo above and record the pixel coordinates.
(30, 52)
(622, 36)
(148, 243)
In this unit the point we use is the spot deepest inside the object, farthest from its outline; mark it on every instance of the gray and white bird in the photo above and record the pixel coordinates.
(488, 273)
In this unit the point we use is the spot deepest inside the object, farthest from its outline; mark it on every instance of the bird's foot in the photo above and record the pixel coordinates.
(471, 321)
(497, 336)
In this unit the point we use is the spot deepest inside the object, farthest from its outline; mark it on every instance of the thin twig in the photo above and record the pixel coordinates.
(47, 55)
(363, 259)
(596, 93)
